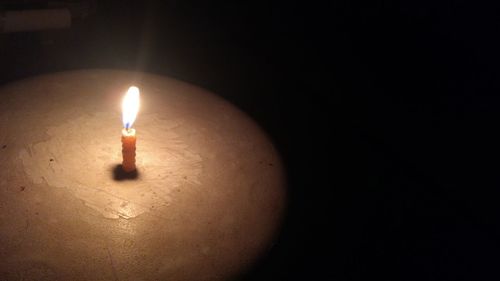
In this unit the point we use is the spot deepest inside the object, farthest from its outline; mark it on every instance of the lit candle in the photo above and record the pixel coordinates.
(130, 107)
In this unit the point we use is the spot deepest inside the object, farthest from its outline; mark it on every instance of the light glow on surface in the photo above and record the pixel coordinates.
(130, 107)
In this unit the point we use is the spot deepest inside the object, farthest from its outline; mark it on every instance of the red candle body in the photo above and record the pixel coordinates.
(128, 150)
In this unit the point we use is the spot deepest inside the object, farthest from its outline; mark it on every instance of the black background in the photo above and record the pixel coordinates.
(385, 113)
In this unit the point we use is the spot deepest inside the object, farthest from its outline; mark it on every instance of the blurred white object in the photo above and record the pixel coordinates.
(33, 20)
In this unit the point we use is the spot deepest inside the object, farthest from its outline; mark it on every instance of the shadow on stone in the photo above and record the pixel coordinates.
(120, 175)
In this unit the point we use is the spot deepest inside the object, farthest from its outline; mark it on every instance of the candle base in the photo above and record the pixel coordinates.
(119, 173)
(128, 168)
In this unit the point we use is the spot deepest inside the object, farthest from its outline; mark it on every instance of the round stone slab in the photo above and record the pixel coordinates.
(205, 203)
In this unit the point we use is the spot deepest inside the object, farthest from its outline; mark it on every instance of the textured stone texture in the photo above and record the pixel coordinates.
(206, 203)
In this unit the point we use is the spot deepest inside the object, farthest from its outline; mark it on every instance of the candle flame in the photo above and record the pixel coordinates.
(130, 107)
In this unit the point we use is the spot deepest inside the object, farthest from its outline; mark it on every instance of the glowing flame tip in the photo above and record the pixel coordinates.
(130, 106)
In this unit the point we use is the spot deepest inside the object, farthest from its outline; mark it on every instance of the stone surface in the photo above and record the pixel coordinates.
(206, 203)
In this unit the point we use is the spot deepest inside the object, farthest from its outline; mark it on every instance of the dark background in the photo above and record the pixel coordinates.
(386, 115)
